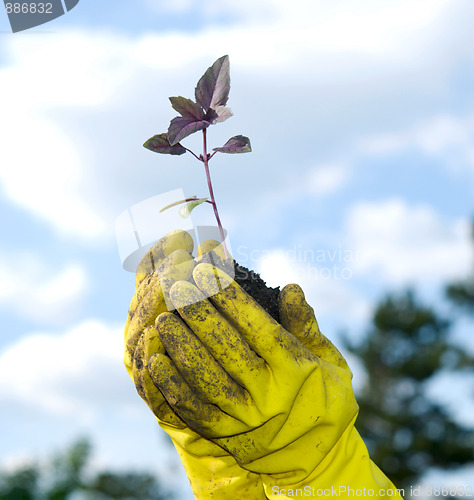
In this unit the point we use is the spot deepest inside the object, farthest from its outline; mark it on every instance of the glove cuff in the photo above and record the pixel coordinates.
(346, 472)
(220, 478)
(213, 473)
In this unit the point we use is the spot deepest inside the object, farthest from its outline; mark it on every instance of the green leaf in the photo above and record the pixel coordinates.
(186, 210)
(177, 203)
(236, 144)
(160, 144)
(213, 87)
(182, 126)
(187, 108)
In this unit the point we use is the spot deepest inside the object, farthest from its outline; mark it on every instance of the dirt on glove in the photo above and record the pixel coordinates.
(250, 281)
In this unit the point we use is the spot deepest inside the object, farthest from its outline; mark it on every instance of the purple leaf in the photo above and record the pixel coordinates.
(236, 144)
(213, 88)
(183, 126)
(187, 108)
(160, 144)
(219, 114)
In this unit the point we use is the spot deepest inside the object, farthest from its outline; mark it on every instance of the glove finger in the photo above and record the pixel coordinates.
(212, 252)
(147, 281)
(149, 344)
(211, 246)
(177, 266)
(297, 316)
(166, 415)
(138, 296)
(204, 375)
(165, 246)
(264, 335)
(203, 417)
(152, 304)
(220, 338)
(143, 382)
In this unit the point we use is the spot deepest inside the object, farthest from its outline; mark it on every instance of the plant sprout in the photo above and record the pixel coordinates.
(211, 94)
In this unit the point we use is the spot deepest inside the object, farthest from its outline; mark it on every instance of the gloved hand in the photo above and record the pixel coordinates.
(277, 398)
(212, 471)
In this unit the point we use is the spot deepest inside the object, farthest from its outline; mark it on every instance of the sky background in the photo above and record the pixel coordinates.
(361, 181)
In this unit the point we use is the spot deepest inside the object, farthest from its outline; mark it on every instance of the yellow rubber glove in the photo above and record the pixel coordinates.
(278, 399)
(212, 471)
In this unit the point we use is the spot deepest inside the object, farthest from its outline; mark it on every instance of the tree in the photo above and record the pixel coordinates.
(67, 471)
(461, 293)
(405, 431)
(66, 474)
(21, 484)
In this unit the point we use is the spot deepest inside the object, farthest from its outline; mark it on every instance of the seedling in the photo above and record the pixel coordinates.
(211, 94)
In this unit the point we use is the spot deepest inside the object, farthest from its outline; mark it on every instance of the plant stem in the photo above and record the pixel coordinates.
(205, 160)
(195, 155)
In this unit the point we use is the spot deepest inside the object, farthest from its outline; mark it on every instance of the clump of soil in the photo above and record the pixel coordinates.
(250, 281)
(254, 285)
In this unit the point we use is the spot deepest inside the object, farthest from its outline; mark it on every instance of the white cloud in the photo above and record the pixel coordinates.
(431, 136)
(446, 136)
(160, 6)
(71, 100)
(444, 132)
(326, 179)
(324, 275)
(41, 171)
(56, 388)
(278, 35)
(78, 373)
(41, 167)
(406, 244)
(37, 291)
(372, 27)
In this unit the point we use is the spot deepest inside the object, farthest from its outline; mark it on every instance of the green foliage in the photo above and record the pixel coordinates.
(406, 432)
(66, 474)
(126, 486)
(191, 204)
(66, 471)
(21, 484)
(462, 293)
(186, 210)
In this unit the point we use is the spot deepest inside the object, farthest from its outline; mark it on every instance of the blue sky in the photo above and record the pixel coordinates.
(361, 119)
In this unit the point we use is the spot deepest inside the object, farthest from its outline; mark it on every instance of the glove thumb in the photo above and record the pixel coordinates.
(297, 316)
